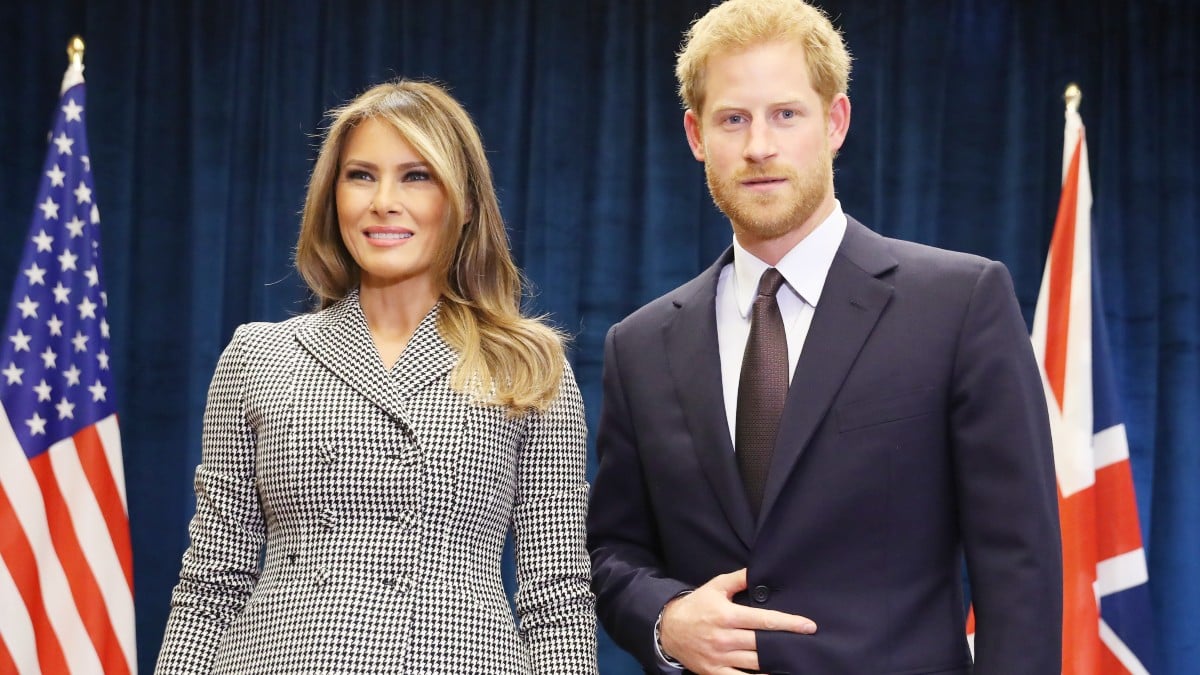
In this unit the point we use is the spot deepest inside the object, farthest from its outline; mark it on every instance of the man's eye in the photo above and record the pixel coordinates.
(787, 114)
(734, 119)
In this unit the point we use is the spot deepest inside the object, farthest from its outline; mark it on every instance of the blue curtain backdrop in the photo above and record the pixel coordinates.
(202, 125)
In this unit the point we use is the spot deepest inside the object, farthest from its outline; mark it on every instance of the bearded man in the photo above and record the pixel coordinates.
(799, 447)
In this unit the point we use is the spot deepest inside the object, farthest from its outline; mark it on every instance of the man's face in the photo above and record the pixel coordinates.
(766, 141)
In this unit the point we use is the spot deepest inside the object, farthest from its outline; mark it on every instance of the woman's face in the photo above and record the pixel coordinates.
(391, 210)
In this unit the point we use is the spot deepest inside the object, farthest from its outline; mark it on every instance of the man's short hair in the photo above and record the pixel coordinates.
(739, 24)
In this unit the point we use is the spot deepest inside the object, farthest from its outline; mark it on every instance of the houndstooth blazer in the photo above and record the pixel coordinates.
(383, 499)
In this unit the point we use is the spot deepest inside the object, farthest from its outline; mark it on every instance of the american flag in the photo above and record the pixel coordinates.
(1107, 621)
(66, 568)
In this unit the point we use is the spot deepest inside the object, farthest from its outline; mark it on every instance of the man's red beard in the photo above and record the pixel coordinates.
(773, 214)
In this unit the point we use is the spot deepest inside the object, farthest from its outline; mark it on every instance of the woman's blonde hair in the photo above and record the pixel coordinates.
(506, 358)
(739, 24)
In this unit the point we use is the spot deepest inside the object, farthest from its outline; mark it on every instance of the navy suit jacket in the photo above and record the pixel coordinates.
(915, 431)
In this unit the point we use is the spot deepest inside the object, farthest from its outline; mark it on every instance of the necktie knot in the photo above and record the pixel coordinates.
(770, 282)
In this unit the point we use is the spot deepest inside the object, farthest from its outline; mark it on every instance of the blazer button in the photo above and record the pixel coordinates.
(761, 594)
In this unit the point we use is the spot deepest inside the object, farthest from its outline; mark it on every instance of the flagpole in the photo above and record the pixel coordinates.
(1073, 95)
(75, 51)
(74, 74)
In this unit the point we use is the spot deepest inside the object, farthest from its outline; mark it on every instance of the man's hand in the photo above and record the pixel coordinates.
(709, 634)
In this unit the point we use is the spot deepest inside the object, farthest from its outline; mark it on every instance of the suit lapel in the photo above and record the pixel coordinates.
(851, 302)
(338, 337)
(426, 358)
(693, 357)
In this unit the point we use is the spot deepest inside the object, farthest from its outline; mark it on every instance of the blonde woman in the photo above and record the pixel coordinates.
(381, 448)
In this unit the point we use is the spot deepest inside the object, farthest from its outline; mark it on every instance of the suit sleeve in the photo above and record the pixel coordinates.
(627, 571)
(1008, 504)
(553, 600)
(220, 567)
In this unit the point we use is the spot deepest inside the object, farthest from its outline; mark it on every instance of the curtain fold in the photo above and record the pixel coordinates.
(205, 117)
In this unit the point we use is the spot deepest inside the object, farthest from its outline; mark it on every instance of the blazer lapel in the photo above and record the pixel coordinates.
(851, 302)
(338, 337)
(694, 362)
(426, 357)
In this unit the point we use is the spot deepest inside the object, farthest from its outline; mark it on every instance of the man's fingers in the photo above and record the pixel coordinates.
(736, 639)
(730, 583)
(769, 619)
(742, 660)
(708, 633)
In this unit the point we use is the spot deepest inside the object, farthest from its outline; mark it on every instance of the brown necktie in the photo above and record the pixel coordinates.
(762, 388)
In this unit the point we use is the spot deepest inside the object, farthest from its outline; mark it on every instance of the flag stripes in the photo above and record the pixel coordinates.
(1059, 268)
(7, 664)
(57, 570)
(21, 565)
(111, 507)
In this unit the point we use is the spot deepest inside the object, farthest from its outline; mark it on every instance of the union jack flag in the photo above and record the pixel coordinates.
(66, 568)
(1107, 626)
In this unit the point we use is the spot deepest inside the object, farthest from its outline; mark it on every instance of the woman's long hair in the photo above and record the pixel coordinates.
(505, 358)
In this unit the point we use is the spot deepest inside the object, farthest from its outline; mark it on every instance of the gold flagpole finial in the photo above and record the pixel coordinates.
(1073, 95)
(75, 50)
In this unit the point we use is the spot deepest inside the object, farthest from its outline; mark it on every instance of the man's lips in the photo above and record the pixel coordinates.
(763, 183)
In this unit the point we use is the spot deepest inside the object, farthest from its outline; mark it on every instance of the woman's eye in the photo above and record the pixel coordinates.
(417, 175)
(358, 174)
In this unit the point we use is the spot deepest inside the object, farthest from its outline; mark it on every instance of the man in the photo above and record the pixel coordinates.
(790, 475)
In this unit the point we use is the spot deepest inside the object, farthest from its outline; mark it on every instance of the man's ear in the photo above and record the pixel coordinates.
(691, 126)
(839, 121)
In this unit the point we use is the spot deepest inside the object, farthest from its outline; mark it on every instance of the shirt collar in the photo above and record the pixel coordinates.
(804, 268)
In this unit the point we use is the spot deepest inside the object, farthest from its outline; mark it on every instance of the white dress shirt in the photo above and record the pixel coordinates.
(804, 269)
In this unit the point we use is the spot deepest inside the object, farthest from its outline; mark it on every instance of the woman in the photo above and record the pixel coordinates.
(382, 447)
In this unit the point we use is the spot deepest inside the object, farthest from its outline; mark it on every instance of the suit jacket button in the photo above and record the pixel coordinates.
(761, 594)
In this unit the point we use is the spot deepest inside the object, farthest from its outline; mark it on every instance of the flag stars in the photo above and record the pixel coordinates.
(43, 240)
(98, 391)
(49, 358)
(64, 144)
(104, 298)
(55, 325)
(13, 374)
(66, 409)
(72, 110)
(102, 359)
(49, 209)
(28, 308)
(87, 163)
(37, 275)
(43, 391)
(93, 277)
(20, 341)
(62, 294)
(87, 309)
(95, 216)
(75, 227)
(83, 194)
(80, 341)
(56, 176)
(72, 376)
(37, 425)
(67, 260)
(104, 328)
